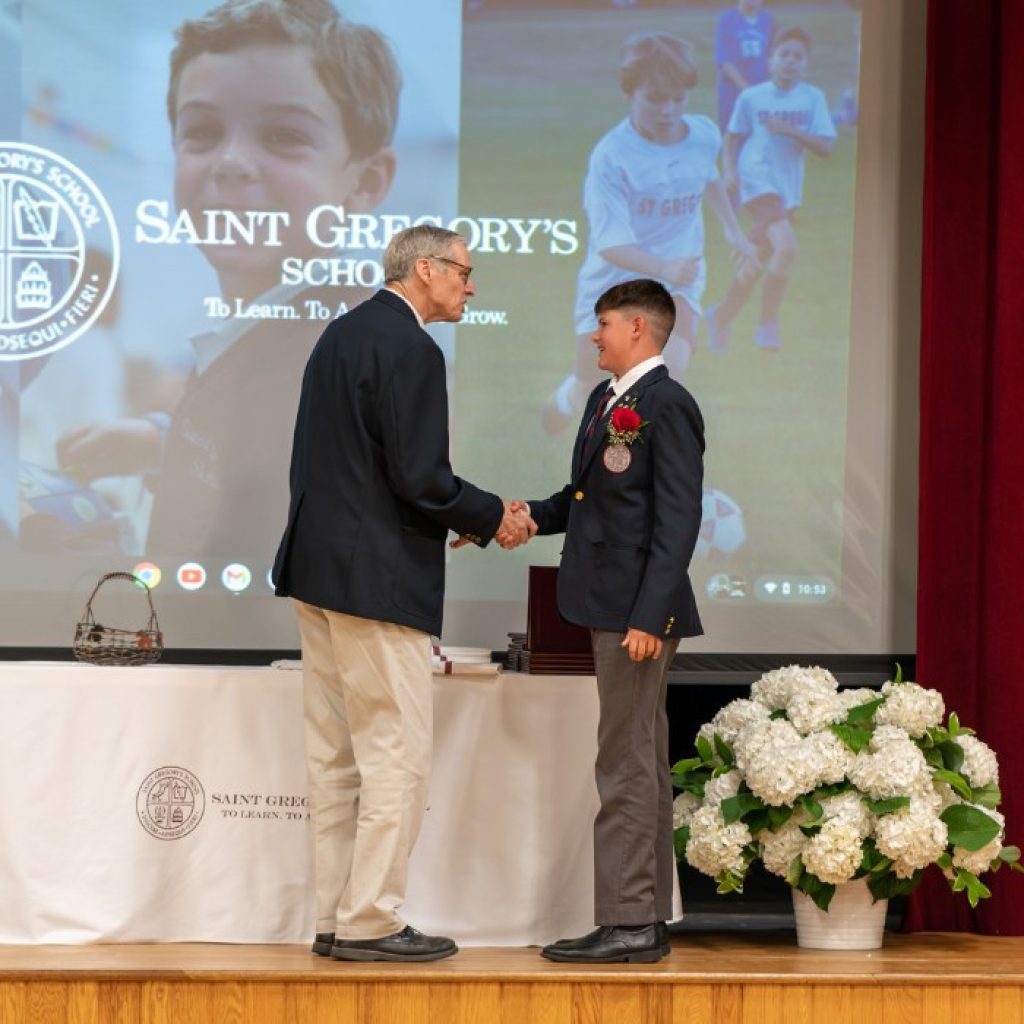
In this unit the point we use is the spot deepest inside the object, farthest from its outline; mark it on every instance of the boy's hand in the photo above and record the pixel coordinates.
(641, 645)
(744, 255)
(121, 447)
(682, 272)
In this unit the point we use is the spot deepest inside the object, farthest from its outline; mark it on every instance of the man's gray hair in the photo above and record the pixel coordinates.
(413, 244)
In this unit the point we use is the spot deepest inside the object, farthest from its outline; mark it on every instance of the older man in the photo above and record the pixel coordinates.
(373, 497)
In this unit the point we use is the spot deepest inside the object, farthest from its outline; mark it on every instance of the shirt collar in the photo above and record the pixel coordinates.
(415, 311)
(620, 385)
(209, 346)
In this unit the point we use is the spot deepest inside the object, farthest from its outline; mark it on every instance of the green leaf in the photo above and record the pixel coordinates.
(956, 782)
(705, 750)
(680, 838)
(894, 803)
(735, 807)
(945, 861)
(856, 737)
(778, 816)
(969, 828)
(1009, 854)
(873, 862)
(987, 796)
(954, 724)
(795, 872)
(777, 714)
(863, 712)
(729, 881)
(975, 888)
(812, 807)
(724, 750)
(888, 886)
(822, 895)
(899, 674)
(933, 756)
(952, 756)
(757, 820)
(686, 765)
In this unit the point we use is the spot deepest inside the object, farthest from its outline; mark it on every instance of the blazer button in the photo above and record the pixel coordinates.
(579, 495)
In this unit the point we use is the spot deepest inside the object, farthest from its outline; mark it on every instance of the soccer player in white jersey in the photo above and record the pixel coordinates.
(643, 195)
(773, 124)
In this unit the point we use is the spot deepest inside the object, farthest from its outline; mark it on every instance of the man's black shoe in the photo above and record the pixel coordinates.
(611, 944)
(665, 936)
(406, 945)
(322, 943)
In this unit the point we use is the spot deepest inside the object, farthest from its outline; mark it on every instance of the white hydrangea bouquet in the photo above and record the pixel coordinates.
(827, 785)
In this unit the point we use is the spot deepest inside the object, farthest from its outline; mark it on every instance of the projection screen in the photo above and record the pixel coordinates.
(187, 197)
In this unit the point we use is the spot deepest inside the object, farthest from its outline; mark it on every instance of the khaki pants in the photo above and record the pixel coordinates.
(368, 707)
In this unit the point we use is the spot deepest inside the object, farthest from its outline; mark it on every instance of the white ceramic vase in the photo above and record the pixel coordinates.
(852, 921)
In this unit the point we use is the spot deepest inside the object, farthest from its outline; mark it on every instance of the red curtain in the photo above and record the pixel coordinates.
(970, 626)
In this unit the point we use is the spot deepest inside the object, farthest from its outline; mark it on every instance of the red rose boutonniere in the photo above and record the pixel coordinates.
(625, 425)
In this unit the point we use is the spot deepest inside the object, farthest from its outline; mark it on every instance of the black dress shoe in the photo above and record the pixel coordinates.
(406, 945)
(322, 943)
(611, 944)
(591, 937)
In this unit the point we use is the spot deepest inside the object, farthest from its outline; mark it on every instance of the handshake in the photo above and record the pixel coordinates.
(516, 527)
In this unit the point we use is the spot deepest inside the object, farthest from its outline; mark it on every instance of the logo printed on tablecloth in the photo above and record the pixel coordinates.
(170, 803)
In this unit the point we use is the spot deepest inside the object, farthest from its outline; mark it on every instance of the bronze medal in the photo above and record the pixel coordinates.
(617, 458)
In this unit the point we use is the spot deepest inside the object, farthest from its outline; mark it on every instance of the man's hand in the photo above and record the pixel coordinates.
(516, 527)
(641, 645)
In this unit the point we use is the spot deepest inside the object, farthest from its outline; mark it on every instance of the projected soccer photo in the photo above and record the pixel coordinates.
(711, 146)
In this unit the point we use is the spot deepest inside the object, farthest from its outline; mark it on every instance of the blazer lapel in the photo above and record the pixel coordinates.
(631, 397)
(577, 450)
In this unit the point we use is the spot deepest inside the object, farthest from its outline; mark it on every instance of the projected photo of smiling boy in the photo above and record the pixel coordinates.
(272, 118)
(276, 109)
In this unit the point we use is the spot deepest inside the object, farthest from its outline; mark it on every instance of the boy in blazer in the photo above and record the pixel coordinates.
(630, 513)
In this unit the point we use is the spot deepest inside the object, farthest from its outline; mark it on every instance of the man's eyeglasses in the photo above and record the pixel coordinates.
(466, 271)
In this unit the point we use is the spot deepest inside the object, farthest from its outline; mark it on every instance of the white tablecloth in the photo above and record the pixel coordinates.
(167, 804)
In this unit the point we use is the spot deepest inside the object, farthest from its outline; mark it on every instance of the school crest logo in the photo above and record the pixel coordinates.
(59, 252)
(170, 803)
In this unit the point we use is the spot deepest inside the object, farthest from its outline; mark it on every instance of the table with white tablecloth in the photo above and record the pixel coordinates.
(167, 803)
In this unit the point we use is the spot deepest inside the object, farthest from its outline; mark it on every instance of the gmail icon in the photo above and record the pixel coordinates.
(236, 577)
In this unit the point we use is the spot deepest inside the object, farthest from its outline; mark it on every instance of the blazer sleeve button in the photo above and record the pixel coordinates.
(579, 495)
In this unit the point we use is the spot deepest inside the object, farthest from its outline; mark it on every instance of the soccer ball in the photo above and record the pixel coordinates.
(721, 530)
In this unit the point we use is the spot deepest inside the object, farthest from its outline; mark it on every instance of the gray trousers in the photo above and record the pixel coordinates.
(633, 856)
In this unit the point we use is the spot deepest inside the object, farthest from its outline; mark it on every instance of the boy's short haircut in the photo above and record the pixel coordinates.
(645, 296)
(415, 243)
(801, 35)
(657, 57)
(354, 62)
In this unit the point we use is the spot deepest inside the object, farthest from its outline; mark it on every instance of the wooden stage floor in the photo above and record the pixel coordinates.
(708, 979)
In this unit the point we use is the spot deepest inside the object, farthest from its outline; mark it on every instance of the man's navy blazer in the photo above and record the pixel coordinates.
(373, 494)
(630, 535)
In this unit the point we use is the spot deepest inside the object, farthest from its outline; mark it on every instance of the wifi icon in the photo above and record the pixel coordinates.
(770, 586)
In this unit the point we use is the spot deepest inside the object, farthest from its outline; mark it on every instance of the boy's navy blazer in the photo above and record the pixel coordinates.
(373, 494)
(630, 535)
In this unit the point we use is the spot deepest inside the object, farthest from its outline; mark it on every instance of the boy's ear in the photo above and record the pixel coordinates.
(376, 175)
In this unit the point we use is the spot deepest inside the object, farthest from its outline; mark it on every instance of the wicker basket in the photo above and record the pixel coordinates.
(105, 645)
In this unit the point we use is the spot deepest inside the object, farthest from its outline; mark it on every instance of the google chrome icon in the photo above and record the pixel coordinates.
(148, 573)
